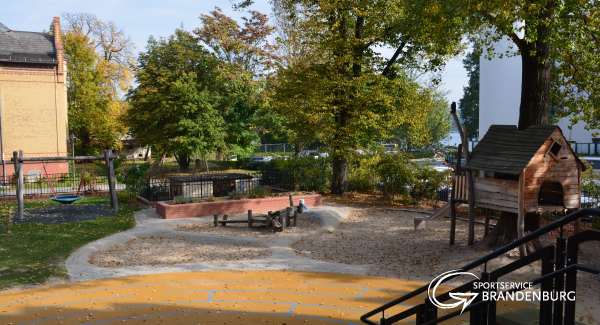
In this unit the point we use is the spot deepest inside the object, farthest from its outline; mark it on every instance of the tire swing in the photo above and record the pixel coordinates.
(65, 199)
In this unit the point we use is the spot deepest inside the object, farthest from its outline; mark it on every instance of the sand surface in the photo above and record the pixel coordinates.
(374, 241)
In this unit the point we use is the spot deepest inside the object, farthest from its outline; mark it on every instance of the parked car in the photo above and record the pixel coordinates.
(260, 158)
(313, 153)
(232, 158)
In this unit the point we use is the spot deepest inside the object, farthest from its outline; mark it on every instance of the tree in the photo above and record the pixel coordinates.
(175, 105)
(549, 36)
(469, 103)
(293, 112)
(436, 124)
(557, 43)
(246, 58)
(89, 117)
(100, 60)
(113, 46)
(247, 46)
(353, 97)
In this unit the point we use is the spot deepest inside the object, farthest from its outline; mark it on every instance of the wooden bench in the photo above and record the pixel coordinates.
(273, 220)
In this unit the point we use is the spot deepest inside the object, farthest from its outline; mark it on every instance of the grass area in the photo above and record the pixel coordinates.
(32, 254)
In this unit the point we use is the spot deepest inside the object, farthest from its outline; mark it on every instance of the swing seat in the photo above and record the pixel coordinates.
(66, 199)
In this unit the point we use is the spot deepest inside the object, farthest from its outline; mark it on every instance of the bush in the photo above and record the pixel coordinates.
(65, 178)
(182, 200)
(133, 177)
(126, 197)
(310, 174)
(427, 181)
(86, 180)
(361, 175)
(395, 172)
(590, 187)
(101, 165)
(426, 153)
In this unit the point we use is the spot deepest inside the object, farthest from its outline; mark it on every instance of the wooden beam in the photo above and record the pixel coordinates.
(452, 221)
(110, 173)
(21, 159)
(521, 214)
(19, 181)
(471, 211)
(288, 214)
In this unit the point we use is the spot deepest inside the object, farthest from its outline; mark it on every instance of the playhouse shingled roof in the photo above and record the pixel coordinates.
(504, 149)
(20, 46)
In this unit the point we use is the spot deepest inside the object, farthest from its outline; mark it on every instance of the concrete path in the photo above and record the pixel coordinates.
(282, 256)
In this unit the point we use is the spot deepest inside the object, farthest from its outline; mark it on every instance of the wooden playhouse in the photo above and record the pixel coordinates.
(528, 171)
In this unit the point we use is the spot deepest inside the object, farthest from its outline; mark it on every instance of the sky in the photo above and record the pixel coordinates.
(141, 19)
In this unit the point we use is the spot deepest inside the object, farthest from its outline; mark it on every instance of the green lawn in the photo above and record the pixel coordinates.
(34, 253)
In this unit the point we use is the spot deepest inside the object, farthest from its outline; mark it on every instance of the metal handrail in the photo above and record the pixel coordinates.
(563, 271)
(523, 240)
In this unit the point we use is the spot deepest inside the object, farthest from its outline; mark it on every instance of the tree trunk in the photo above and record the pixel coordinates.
(535, 99)
(297, 149)
(183, 159)
(339, 185)
(535, 92)
(505, 232)
(535, 76)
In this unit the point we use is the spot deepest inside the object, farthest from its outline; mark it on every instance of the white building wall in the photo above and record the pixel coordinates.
(500, 96)
(499, 90)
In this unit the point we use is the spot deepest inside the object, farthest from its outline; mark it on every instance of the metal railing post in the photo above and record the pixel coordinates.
(478, 315)
(559, 282)
(546, 286)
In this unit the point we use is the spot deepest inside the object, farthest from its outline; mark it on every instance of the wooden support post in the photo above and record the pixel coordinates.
(216, 220)
(277, 226)
(471, 213)
(576, 223)
(268, 221)
(280, 219)
(452, 204)
(249, 218)
(225, 219)
(295, 223)
(111, 180)
(19, 182)
(487, 222)
(452, 221)
(521, 213)
(288, 212)
(291, 200)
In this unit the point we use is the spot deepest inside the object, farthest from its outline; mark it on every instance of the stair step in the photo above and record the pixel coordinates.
(525, 316)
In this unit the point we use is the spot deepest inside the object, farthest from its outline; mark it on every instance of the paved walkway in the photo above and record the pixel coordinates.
(223, 297)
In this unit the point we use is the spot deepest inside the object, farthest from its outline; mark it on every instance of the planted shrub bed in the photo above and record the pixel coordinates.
(206, 209)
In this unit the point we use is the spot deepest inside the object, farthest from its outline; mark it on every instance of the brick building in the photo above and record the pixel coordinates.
(33, 98)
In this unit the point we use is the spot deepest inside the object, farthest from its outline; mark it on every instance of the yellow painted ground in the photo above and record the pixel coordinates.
(219, 297)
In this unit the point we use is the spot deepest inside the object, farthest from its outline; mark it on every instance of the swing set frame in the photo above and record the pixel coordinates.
(108, 158)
